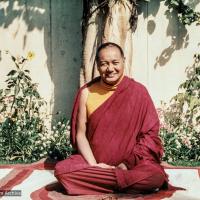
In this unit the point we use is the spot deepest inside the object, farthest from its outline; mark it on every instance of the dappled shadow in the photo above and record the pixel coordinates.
(149, 9)
(179, 38)
(192, 3)
(65, 59)
(175, 30)
(178, 33)
(59, 22)
(151, 25)
(193, 70)
(28, 11)
(155, 5)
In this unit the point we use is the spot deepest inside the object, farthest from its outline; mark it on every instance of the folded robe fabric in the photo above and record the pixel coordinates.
(124, 129)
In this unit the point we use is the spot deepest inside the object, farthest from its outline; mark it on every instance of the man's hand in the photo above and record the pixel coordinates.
(103, 165)
(122, 166)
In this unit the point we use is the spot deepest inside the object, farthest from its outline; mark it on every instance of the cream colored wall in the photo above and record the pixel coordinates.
(163, 48)
(52, 30)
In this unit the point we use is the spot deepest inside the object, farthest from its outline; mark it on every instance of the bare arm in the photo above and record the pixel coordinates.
(82, 141)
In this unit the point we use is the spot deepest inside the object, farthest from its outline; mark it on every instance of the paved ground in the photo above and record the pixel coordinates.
(36, 181)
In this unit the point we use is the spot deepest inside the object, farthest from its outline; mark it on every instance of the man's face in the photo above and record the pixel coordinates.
(110, 65)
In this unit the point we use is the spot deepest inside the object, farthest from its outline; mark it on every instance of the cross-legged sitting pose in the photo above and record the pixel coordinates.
(115, 132)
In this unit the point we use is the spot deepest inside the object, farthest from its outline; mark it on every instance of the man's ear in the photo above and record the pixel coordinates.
(124, 58)
(97, 65)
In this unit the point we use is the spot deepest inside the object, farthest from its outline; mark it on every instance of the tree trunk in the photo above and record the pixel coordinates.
(107, 21)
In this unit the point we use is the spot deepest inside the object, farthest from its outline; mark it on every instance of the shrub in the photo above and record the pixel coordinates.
(180, 127)
(24, 132)
(60, 146)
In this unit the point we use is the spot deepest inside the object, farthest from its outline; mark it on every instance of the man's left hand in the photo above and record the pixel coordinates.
(122, 166)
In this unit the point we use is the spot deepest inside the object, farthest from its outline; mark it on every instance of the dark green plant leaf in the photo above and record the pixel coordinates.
(13, 58)
(28, 77)
(12, 72)
(17, 65)
(7, 91)
(17, 90)
(21, 74)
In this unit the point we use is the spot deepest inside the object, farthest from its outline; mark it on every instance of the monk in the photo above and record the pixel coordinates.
(114, 129)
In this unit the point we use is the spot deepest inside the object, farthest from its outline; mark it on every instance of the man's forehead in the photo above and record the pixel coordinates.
(110, 52)
(108, 48)
(108, 59)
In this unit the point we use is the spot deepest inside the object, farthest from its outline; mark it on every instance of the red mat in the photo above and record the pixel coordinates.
(20, 176)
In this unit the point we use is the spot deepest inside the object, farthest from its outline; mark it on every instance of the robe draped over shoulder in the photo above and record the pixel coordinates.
(124, 128)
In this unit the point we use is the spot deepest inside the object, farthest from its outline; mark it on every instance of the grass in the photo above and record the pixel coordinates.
(47, 159)
(186, 163)
(176, 163)
(5, 162)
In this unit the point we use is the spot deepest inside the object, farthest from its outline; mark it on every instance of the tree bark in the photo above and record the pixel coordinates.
(106, 21)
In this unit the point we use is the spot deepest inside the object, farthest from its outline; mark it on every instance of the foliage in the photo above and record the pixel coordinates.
(60, 147)
(180, 128)
(24, 132)
(103, 7)
(186, 163)
(186, 14)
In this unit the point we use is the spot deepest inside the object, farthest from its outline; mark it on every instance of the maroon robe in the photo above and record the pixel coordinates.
(124, 129)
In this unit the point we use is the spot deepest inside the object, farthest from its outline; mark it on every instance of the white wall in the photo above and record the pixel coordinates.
(163, 48)
(51, 29)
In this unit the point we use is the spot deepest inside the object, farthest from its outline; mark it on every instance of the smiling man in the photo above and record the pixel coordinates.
(115, 132)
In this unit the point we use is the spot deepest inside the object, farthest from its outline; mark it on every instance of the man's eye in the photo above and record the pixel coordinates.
(116, 63)
(103, 64)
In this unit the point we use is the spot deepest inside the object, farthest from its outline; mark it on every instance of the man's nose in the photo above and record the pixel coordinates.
(110, 67)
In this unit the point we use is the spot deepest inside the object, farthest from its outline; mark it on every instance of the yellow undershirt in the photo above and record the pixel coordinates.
(98, 93)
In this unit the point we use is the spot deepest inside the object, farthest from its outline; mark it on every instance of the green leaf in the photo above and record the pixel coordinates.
(11, 73)
(13, 58)
(36, 94)
(11, 85)
(175, 3)
(3, 109)
(17, 65)
(28, 77)
(17, 89)
(194, 102)
(21, 74)
(7, 91)
(25, 80)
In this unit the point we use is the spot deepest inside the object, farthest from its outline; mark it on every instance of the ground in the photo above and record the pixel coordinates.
(36, 181)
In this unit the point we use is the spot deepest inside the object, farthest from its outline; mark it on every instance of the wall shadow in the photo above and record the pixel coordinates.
(179, 39)
(29, 11)
(175, 30)
(147, 9)
(60, 22)
(66, 49)
(178, 33)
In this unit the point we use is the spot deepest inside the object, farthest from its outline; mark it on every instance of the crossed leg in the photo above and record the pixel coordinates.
(144, 178)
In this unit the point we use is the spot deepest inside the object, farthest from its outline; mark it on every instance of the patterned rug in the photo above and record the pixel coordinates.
(36, 181)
